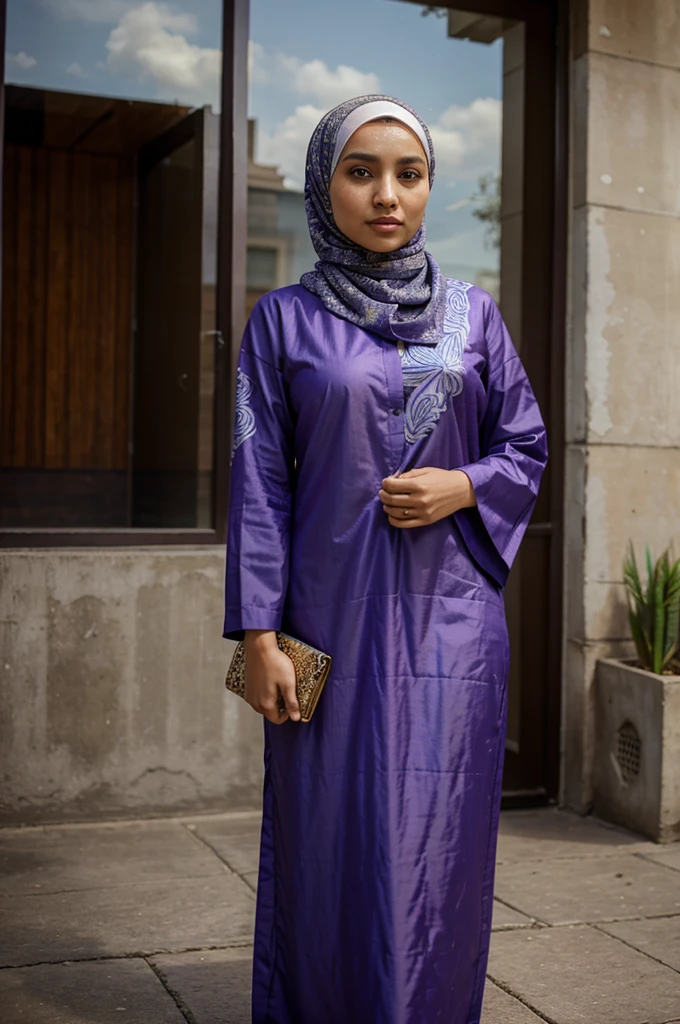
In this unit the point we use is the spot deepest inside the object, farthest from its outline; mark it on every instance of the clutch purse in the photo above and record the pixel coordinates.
(311, 671)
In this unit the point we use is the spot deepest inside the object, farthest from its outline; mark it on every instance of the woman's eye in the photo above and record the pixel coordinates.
(360, 172)
(410, 175)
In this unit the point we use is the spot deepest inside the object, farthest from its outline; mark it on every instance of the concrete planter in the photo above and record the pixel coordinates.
(637, 755)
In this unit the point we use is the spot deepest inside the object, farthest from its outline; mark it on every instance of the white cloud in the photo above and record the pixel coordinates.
(257, 64)
(150, 42)
(19, 61)
(467, 140)
(286, 147)
(76, 70)
(325, 85)
(105, 12)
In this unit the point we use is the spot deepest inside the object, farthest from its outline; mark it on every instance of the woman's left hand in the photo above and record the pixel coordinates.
(422, 496)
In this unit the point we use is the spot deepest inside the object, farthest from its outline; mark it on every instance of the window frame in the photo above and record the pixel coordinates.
(229, 311)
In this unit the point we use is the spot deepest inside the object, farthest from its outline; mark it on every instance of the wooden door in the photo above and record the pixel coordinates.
(175, 336)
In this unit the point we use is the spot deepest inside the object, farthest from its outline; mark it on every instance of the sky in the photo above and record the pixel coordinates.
(305, 56)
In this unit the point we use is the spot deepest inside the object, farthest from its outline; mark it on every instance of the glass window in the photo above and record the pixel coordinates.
(111, 157)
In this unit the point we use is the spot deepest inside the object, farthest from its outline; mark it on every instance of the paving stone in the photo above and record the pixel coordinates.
(215, 985)
(578, 975)
(591, 889)
(251, 879)
(500, 1008)
(658, 937)
(506, 917)
(547, 833)
(668, 856)
(90, 857)
(129, 919)
(105, 992)
(235, 840)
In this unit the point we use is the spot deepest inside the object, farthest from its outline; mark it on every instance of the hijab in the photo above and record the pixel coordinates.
(398, 295)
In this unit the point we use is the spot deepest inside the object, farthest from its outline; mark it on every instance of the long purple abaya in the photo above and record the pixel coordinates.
(380, 818)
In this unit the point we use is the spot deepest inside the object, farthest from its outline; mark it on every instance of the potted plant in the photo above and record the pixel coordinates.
(637, 709)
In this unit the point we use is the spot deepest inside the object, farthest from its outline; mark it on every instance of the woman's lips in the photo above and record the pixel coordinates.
(385, 227)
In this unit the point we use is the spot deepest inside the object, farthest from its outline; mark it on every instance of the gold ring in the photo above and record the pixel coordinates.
(405, 511)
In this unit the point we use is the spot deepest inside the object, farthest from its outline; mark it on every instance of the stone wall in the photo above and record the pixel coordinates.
(112, 687)
(623, 372)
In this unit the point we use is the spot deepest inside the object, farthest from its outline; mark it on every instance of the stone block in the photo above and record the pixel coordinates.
(106, 991)
(647, 32)
(633, 144)
(637, 763)
(581, 976)
(139, 919)
(61, 859)
(658, 938)
(632, 494)
(235, 839)
(631, 332)
(588, 890)
(505, 917)
(550, 834)
(501, 1008)
(215, 985)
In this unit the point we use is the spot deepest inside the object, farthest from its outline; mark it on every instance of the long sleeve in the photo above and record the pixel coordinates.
(258, 535)
(513, 455)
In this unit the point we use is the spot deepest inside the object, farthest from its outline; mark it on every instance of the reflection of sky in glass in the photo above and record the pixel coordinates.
(306, 55)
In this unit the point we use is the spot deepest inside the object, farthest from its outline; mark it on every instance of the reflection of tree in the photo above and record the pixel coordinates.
(487, 200)
(439, 12)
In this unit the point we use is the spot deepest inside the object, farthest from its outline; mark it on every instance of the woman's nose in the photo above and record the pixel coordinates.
(385, 193)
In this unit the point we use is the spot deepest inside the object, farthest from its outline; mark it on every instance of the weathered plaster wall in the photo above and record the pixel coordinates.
(112, 689)
(623, 373)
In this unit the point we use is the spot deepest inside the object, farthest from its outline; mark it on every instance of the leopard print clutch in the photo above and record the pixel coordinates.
(311, 671)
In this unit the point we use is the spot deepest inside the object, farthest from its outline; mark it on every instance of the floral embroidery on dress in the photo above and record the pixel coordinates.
(433, 374)
(244, 426)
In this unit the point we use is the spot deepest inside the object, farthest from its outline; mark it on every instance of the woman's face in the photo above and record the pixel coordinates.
(380, 187)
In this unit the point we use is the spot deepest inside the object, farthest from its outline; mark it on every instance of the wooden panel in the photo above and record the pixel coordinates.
(62, 498)
(67, 308)
(57, 326)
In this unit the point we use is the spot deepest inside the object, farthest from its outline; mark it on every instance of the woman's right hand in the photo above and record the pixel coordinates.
(270, 676)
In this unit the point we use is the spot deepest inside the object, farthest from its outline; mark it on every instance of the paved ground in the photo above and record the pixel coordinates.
(149, 922)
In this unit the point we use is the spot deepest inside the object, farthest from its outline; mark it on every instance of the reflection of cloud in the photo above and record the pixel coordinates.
(106, 12)
(76, 70)
(327, 86)
(286, 147)
(150, 42)
(467, 140)
(19, 61)
(312, 78)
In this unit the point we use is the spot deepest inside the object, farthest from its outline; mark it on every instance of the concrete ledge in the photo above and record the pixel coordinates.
(112, 687)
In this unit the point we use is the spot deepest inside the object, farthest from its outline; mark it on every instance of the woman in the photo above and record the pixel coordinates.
(386, 460)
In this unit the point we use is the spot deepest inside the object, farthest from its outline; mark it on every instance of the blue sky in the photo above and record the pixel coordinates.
(306, 55)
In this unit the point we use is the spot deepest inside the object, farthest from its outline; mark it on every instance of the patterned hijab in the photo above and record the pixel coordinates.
(399, 295)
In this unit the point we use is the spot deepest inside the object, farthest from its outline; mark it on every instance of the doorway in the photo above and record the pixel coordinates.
(495, 218)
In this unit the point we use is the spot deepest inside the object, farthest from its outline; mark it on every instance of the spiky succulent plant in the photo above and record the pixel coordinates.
(654, 609)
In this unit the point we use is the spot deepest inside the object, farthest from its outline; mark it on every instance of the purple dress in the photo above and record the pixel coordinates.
(380, 818)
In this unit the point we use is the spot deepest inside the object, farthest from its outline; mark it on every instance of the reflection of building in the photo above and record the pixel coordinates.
(279, 249)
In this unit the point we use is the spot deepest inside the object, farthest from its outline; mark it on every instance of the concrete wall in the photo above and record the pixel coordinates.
(112, 689)
(623, 372)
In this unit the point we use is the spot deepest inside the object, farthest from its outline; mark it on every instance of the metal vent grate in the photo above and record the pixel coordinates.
(628, 751)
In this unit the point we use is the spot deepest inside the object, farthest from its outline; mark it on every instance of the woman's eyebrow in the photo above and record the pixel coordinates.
(366, 157)
(373, 159)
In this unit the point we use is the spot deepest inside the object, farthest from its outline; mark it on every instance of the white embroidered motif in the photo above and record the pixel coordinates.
(432, 374)
(244, 426)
